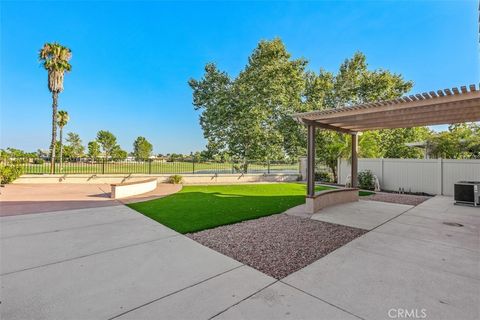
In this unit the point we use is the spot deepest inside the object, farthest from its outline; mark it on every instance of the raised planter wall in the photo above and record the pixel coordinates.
(123, 190)
(329, 198)
(188, 179)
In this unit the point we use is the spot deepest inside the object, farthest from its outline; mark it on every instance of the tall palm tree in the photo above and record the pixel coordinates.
(62, 120)
(55, 59)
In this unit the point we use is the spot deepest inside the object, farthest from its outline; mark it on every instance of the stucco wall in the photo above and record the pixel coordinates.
(123, 190)
(188, 179)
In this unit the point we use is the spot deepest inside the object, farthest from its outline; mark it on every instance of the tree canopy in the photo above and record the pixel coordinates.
(74, 143)
(107, 141)
(62, 118)
(93, 149)
(460, 141)
(249, 116)
(142, 149)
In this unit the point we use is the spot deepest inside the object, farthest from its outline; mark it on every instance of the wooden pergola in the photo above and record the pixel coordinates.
(446, 106)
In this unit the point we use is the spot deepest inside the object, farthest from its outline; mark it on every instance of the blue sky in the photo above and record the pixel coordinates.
(132, 60)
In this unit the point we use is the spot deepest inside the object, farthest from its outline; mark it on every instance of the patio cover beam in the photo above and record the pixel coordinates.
(428, 108)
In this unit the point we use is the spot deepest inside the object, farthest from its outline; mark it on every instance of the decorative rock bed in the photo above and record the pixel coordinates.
(277, 245)
(409, 199)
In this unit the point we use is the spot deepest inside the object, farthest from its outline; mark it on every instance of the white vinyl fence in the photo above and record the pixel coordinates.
(433, 176)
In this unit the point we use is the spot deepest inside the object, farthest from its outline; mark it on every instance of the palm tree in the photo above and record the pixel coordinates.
(62, 120)
(55, 59)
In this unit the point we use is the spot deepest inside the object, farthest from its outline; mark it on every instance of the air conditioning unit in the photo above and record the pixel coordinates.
(467, 192)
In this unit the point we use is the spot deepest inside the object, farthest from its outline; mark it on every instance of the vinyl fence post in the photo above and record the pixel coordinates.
(339, 170)
(382, 181)
(440, 176)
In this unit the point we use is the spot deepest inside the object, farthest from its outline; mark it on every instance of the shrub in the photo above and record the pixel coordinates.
(323, 176)
(38, 161)
(9, 172)
(365, 180)
(175, 179)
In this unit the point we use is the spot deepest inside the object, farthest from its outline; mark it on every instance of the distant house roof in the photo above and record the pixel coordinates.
(429, 108)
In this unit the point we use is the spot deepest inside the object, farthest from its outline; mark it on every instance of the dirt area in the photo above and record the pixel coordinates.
(277, 245)
(18, 199)
(409, 199)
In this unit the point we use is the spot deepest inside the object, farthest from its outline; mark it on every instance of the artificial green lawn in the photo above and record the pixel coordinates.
(363, 193)
(196, 208)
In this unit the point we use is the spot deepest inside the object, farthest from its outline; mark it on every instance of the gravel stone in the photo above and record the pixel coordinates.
(409, 199)
(277, 245)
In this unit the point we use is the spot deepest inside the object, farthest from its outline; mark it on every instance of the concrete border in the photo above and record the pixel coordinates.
(161, 178)
(127, 189)
(329, 198)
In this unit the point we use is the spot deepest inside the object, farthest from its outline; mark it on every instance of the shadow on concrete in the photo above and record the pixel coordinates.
(13, 208)
(18, 199)
(100, 195)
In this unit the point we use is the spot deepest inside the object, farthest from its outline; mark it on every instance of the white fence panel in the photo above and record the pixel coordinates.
(433, 176)
(411, 175)
(456, 170)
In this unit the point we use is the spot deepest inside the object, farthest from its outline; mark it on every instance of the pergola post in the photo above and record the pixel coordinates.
(354, 173)
(311, 161)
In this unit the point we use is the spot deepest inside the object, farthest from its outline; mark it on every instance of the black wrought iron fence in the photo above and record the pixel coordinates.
(151, 166)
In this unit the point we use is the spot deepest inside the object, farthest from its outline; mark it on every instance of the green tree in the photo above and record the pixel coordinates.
(62, 120)
(330, 146)
(461, 141)
(93, 150)
(107, 141)
(249, 116)
(354, 83)
(75, 144)
(142, 149)
(119, 154)
(368, 145)
(16, 155)
(67, 151)
(392, 142)
(55, 59)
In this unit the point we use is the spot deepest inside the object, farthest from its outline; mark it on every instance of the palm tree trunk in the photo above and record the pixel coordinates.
(54, 132)
(61, 148)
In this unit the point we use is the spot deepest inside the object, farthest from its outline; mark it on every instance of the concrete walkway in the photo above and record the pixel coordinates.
(107, 262)
(412, 262)
(363, 214)
(111, 262)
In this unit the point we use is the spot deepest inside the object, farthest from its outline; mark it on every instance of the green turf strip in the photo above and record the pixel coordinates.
(362, 193)
(197, 208)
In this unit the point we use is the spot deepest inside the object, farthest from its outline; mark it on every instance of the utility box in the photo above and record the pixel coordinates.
(467, 192)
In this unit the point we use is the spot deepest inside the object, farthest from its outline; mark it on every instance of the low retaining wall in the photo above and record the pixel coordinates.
(329, 198)
(161, 178)
(127, 189)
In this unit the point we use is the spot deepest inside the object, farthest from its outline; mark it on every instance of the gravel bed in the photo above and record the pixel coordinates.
(277, 245)
(409, 199)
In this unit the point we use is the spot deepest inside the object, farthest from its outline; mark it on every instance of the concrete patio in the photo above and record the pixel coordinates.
(111, 262)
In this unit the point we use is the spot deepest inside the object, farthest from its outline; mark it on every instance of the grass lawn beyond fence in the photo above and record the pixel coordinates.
(197, 208)
(154, 167)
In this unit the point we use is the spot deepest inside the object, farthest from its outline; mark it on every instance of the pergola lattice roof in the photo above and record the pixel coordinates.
(428, 108)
